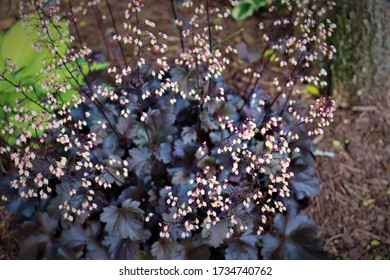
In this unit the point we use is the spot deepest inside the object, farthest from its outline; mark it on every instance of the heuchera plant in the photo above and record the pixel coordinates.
(160, 157)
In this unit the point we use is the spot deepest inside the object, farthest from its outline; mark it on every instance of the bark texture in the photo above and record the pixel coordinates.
(362, 66)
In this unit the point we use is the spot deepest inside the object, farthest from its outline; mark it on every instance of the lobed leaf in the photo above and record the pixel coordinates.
(38, 240)
(79, 239)
(165, 249)
(215, 234)
(244, 248)
(140, 161)
(121, 249)
(295, 238)
(125, 221)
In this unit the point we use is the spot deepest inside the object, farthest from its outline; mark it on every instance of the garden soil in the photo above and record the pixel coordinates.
(352, 210)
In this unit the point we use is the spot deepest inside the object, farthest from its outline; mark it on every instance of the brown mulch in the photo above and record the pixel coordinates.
(353, 208)
(8, 244)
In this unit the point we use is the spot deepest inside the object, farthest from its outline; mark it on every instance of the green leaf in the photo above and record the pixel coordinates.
(246, 8)
(16, 46)
(313, 90)
(242, 11)
(375, 242)
(271, 54)
(1, 36)
(82, 23)
(259, 3)
(99, 66)
(336, 143)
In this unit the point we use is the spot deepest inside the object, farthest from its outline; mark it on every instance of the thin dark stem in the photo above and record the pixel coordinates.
(139, 75)
(97, 103)
(228, 37)
(213, 148)
(116, 32)
(197, 82)
(210, 40)
(283, 89)
(260, 66)
(8, 144)
(106, 170)
(24, 94)
(178, 26)
(209, 25)
(41, 148)
(73, 18)
(98, 17)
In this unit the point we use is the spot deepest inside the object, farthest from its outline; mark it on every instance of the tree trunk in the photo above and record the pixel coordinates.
(361, 68)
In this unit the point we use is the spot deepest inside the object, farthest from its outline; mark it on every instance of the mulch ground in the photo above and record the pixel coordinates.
(353, 208)
(8, 244)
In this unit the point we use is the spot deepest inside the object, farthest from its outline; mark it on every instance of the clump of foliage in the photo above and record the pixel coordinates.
(246, 8)
(163, 158)
(24, 69)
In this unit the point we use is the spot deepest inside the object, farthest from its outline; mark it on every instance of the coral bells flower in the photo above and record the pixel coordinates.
(319, 115)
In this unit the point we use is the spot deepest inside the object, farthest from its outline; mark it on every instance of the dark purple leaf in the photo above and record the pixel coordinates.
(159, 124)
(110, 175)
(38, 240)
(63, 194)
(165, 249)
(80, 239)
(121, 249)
(194, 249)
(100, 132)
(207, 122)
(216, 234)
(294, 239)
(305, 184)
(126, 221)
(140, 161)
(244, 248)
(178, 149)
(176, 228)
(124, 126)
(185, 79)
(188, 135)
(138, 134)
(166, 152)
(110, 144)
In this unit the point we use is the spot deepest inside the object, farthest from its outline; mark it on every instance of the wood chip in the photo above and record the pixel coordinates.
(364, 108)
